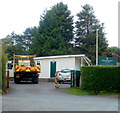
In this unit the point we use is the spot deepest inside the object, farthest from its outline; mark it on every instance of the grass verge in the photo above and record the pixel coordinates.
(77, 91)
(1, 91)
(5, 91)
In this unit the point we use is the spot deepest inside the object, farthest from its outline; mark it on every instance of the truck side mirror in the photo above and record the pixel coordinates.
(9, 66)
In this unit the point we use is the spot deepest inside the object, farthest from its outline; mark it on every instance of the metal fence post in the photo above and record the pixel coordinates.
(8, 78)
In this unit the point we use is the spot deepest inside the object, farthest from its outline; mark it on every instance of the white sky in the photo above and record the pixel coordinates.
(17, 15)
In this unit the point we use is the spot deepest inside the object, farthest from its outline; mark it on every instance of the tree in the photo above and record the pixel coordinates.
(86, 25)
(28, 38)
(12, 45)
(55, 31)
(57, 22)
(114, 49)
(18, 44)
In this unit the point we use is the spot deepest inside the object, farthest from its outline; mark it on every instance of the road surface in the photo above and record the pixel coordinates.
(44, 97)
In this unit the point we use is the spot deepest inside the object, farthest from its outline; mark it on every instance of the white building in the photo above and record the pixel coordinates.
(51, 64)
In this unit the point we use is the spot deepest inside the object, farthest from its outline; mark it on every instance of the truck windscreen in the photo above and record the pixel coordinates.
(29, 61)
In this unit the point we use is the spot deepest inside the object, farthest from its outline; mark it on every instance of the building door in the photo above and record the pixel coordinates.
(52, 68)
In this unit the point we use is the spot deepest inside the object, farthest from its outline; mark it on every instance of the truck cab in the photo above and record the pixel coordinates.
(25, 68)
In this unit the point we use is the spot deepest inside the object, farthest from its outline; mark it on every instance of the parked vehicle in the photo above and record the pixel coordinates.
(64, 76)
(67, 76)
(25, 68)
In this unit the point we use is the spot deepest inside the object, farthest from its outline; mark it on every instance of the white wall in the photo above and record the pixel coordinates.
(65, 63)
(45, 68)
(61, 63)
(11, 72)
(77, 63)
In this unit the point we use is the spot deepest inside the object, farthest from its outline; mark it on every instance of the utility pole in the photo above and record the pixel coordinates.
(96, 46)
(119, 24)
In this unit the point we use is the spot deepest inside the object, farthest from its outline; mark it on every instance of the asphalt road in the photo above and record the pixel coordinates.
(44, 97)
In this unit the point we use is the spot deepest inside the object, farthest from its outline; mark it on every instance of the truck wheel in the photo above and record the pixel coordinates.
(35, 80)
(17, 81)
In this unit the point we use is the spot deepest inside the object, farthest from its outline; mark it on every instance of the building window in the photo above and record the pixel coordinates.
(38, 62)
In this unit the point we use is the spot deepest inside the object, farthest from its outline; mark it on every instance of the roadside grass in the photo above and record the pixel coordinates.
(5, 91)
(79, 92)
(1, 91)
(109, 93)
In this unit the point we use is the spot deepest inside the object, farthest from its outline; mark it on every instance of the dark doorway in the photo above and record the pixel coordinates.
(52, 68)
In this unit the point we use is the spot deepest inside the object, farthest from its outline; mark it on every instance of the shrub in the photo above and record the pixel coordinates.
(3, 60)
(100, 78)
(0, 66)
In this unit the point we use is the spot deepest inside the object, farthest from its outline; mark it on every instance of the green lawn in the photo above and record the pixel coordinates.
(77, 91)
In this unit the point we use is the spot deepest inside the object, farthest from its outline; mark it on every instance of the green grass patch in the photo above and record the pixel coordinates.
(5, 91)
(77, 91)
(109, 93)
(1, 91)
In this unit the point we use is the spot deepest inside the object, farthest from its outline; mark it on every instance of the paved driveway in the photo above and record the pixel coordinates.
(44, 97)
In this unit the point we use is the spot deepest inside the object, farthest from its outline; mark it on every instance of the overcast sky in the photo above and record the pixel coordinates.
(17, 15)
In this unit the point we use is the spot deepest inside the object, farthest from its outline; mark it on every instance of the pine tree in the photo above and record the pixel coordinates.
(86, 25)
(55, 31)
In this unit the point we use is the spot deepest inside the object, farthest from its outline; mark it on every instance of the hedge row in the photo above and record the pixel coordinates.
(0, 65)
(3, 60)
(100, 78)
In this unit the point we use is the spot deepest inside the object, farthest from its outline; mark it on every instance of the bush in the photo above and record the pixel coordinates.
(3, 60)
(100, 78)
(0, 68)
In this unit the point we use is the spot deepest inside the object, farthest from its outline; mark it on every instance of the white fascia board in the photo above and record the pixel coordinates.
(60, 56)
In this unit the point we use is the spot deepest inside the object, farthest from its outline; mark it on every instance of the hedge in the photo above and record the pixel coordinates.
(100, 78)
(0, 65)
(3, 59)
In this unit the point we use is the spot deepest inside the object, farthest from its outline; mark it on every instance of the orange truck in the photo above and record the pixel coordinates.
(25, 68)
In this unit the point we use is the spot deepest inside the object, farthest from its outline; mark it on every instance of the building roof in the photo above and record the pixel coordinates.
(59, 56)
(117, 56)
